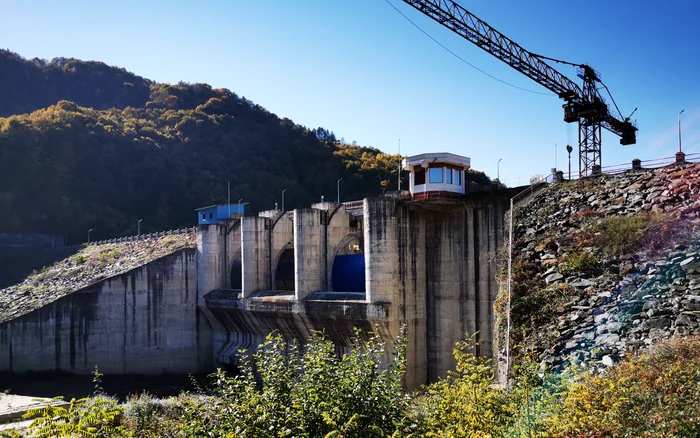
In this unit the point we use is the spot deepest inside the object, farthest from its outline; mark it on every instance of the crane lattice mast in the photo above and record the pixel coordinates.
(584, 105)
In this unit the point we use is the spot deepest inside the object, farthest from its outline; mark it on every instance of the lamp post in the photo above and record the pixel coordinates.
(138, 228)
(680, 149)
(498, 172)
(89, 235)
(283, 200)
(239, 206)
(569, 149)
(338, 183)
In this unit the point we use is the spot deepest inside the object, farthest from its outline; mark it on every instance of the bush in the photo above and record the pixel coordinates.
(617, 235)
(309, 394)
(656, 394)
(579, 261)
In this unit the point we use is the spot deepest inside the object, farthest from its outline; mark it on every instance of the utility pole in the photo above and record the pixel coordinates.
(239, 206)
(498, 173)
(399, 172)
(228, 201)
(338, 183)
(680, 149)
(138, 228)
(89, 235)
(283, 199)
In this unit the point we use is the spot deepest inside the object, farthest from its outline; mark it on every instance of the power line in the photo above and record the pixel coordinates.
(462, 59)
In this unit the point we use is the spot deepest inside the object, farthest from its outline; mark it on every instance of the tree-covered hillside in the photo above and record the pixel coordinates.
(84, 145)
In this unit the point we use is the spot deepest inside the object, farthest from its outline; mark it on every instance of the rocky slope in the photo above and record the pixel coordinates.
(92, 264)
(605, 266)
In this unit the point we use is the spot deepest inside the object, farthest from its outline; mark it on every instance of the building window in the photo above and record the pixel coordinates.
(435, 174)
(448, 176)
(458, 177)
(420, 176)
(204, 216)
(211, 215)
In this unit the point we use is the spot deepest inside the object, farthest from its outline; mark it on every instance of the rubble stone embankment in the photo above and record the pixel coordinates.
(590, 289)
(90, 265)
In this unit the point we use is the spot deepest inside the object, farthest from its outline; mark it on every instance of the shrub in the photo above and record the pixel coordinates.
(579, 261)
(79, 259)
(617, 235)
(656, 394)
(312, 394)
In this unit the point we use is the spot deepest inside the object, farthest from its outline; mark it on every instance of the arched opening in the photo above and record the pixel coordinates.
(348, 272)
(236, 275)
(284, 275)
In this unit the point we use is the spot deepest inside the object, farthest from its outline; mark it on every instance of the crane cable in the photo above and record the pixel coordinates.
(462, 59)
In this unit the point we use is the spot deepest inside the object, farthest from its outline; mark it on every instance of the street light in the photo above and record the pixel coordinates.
(679, 131)
(89, 234)
(239, 206)
(339, 189)
(283, 199)
(569, 149)
(138, 231)
(498, 173)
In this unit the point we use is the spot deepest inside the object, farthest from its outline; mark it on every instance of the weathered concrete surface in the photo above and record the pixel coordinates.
(144, 321)
(309, 269)
(435, 264)
(13, 407)
(281, 238)
(255, 252)
(429, 265)
(249, 320)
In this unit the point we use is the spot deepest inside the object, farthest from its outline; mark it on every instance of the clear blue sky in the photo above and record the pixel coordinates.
(360, 69)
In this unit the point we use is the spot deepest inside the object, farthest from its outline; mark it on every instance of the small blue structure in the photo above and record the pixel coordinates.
(214, 213)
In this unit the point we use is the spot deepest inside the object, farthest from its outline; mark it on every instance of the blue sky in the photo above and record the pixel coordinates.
(360, 69)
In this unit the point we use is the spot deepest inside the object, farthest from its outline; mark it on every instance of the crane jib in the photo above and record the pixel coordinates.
(584, 105)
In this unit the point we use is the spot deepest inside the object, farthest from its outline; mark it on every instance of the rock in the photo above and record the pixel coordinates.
(650, 304)
(607, 361)
(581, 283)
(657, 322)
(553, 278)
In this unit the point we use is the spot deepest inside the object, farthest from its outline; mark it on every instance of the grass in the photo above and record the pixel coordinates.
(619, 235)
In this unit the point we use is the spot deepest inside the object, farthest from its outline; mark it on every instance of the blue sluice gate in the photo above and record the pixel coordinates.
(349, 273)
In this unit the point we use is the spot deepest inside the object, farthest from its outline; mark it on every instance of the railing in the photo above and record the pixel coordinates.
(144, 236)
(532, 189)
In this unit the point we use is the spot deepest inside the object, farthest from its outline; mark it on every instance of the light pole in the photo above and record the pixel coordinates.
(138, 230)
(239, 206)
(89, 234)
(283, 199)
(569, 149)
(680, 149)
(498, 172)
(339, 189)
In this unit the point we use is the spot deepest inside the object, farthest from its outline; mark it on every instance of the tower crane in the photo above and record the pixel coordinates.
(584, 105)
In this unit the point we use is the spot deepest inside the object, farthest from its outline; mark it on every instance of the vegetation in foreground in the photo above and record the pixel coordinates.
(316, 394)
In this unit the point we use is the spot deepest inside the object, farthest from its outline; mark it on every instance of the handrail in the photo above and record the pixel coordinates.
(142, 236)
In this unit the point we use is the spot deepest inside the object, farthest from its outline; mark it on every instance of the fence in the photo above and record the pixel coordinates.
(140, 237)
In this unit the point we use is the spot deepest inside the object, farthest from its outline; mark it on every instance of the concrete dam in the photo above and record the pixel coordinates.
(426, 260)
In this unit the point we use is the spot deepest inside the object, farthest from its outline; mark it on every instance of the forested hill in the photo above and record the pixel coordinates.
(84, 145)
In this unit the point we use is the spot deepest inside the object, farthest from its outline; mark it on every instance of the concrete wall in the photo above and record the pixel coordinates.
(145, 321)
(429, 266)
(309, 266)
(255, 254)
(281, 236)
(435, 264)
(338, 235)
